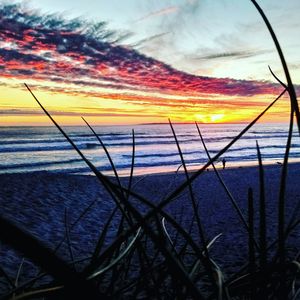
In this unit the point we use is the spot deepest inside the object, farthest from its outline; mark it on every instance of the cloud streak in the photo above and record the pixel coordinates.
(80, 58)
(47, 47)
(164, 11)
(233, 54)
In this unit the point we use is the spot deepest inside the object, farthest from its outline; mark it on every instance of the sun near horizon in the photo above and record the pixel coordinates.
(117, 73)
(21, 109)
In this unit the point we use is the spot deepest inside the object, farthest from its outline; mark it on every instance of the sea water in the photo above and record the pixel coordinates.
(27, 149)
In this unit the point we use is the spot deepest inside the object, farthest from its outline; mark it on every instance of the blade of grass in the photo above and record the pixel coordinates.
(103, 179)
(281, 206)
(178, 270)
(132, 164)
(106, 152)
(39, 293)
(126, 234)
(262, 212)
(39, 275)
(102, 236)
(197, 263)
(251, 246)
(184, 185)
(19, 272)
(262, 224)
(293, 217)
(116, 260)
(75, 284)
(297, 267)
(67, 232)
(231, 198)
(194, 205)
(166, 232)
(291, 89)
(159, 207)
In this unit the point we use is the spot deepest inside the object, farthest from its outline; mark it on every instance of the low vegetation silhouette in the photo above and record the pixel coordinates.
(152, 255)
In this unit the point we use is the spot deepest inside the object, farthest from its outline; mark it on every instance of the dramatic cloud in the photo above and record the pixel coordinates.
(49, 48)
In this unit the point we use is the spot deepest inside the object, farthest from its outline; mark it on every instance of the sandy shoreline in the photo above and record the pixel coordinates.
(38, 202)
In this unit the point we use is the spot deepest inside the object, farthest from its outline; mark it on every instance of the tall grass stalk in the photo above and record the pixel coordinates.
(194, 176)
(74, 283)
(251, 244)
(291, 89)
(230, 196)
(191, 193)
(262, 212)
(173, 264)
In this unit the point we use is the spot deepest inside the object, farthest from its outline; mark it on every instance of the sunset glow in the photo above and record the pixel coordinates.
(77, 70)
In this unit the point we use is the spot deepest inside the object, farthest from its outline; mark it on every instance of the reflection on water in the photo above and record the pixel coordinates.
(24, 149)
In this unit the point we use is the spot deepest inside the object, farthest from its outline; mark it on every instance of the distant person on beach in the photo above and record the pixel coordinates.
(224, 163)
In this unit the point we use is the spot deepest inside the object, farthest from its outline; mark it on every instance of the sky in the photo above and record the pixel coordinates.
(144, 61)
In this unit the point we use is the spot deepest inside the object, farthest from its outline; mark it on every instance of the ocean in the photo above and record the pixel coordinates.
(27, 149)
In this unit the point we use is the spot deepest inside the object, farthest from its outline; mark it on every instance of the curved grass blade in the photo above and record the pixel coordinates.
(262, 212)
(166, 232)
(291, 89)
(75, 284)
(277, 78)
(184, 185)
(40, 274)
(39, 293)
(251, 246)
(126, 234)
(132, 164)
(297, 265)
(262, 224)
(210, 244)
(197, 263)
(290, 224)
(296, 295)
(116, 260)
(231, 198)
(219, 281)
(199, 223)
(106, 152)
(173, 195)
(19, 272)
(67, 232)
(102, 236)
(178, 270)
(103, 179)
(281, 206)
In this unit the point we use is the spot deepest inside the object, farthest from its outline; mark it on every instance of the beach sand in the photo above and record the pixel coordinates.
(40, 203)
